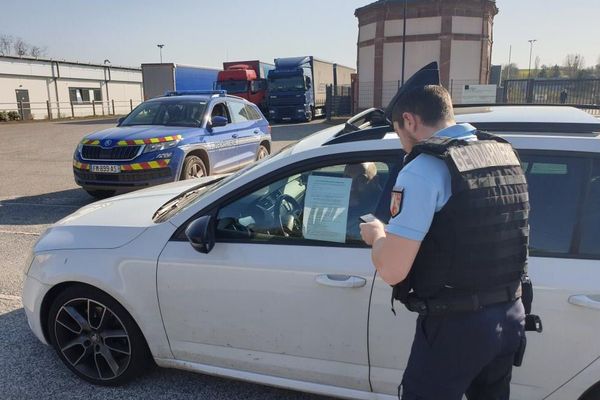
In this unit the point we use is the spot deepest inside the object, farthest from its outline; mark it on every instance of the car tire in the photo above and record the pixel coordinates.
(96, 338)
(101, 194)
(262, 152)
(193, 167)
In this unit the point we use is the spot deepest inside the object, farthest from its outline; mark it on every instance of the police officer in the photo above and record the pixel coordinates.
(455, 249)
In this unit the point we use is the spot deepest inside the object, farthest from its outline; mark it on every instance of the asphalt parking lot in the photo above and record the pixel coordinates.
(36, 190)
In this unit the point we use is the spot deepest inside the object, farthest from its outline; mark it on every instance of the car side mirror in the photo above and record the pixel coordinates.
(120, 121)
(201, 234)
(218, 121)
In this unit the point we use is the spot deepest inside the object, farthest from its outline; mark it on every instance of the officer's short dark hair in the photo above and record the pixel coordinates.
(431, 103)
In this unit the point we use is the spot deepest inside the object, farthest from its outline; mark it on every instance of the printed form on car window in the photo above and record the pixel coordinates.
(326, 208)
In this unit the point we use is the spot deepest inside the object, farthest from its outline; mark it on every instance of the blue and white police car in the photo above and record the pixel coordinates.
(182, 135)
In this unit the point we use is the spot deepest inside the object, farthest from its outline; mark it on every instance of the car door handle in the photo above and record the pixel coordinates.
(235, 136)
(256, 131)
(343, 281)
(586, 301)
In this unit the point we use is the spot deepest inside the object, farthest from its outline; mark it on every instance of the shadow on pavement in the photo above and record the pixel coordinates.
(31, 370)
(91, 122)
(42, 209)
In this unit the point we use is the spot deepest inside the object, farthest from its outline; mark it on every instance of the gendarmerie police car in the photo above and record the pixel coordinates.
(262, 275)
(182, 135)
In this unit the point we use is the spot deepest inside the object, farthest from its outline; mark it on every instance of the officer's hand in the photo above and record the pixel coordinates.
(372, 231)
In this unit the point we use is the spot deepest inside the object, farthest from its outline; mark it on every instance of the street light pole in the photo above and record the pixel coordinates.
(160, 47)
(509, 60)
(404, 41)
(531, 42)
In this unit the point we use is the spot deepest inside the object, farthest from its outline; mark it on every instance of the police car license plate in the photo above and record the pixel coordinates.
(106, 169)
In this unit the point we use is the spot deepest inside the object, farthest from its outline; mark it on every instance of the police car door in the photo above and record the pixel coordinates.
(285, 290)
(221, 141)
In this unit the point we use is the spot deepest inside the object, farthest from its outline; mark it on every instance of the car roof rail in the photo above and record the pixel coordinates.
(541, 128)
(375, 133)
(220, 93)
(580, 106)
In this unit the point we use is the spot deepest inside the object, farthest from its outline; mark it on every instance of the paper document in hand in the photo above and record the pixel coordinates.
(326, 208)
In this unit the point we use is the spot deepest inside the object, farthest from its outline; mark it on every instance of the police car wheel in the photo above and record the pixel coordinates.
(96, 338)
(193, 167)
(262, 152)
(101, 194)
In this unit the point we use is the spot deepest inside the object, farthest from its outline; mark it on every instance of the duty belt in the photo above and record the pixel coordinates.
(464, 302)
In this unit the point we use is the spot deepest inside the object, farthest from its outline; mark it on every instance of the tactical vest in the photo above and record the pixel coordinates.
(478, 240)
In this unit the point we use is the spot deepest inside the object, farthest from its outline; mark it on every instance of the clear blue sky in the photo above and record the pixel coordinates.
(206, 32)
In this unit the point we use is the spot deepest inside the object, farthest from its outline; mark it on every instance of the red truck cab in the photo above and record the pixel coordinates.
(246, 79)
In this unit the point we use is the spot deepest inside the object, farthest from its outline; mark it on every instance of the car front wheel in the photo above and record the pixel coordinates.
(96, 338)
(262, 152)
(193, 167)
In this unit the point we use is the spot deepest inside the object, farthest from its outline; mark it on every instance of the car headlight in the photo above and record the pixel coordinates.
(79, 148)
(160, 146)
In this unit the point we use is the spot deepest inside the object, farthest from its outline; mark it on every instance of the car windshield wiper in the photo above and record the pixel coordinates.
(183, 199)
(174, 204)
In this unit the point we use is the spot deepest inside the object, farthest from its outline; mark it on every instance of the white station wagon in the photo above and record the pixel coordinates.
(262, 275)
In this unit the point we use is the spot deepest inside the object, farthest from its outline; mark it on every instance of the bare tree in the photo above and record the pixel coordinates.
(21, 47)
(37, 51)
(573, 64)
(6, 44)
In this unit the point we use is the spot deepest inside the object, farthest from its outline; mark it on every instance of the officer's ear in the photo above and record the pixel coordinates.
(410, 121)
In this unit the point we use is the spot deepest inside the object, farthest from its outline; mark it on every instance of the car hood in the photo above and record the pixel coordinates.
(114, 222)
(139, 132)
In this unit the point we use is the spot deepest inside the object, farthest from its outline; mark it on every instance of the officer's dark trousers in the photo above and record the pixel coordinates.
(464, 353)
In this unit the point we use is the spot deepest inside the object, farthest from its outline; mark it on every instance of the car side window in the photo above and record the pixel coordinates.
(555, 186)
(238, 111)
(220, 110)
(321, 206)
(252, 112)
(589, 244)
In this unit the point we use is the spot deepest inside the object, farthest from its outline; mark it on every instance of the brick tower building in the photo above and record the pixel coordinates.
(456, 33)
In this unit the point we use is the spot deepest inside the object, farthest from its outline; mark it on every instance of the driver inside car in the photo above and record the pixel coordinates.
(364, 194)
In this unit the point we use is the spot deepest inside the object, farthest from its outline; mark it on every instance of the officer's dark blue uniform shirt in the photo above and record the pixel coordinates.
(426, 186)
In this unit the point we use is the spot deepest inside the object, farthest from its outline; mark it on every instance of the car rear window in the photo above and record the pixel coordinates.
(555, 185)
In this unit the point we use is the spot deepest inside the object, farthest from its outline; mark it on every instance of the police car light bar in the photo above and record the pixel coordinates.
(195, 92)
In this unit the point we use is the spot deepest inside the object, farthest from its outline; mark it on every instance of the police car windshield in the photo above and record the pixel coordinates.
(170, 112)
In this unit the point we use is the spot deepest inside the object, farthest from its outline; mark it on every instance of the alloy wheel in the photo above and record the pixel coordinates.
(195, 171)
(92, 339)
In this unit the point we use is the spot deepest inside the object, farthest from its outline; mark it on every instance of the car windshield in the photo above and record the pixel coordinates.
(233, 86)
(278, 84)
(167, 113)
(190, 196)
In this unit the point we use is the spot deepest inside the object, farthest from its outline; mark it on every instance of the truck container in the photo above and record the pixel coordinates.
(247, 79)
(160, 78)
(298, 87)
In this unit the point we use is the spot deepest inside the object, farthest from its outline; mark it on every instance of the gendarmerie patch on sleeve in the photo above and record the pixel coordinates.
(396, 200)
(483, 155)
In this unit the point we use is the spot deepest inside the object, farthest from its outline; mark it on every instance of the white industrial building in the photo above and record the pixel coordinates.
(43, 89)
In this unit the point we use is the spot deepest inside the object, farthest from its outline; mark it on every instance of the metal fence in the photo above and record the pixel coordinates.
(552, 91)
(69, 109)
(338, 101)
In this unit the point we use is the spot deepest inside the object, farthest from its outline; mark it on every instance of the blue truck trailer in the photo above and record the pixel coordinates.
(297, 87)
(167, 77)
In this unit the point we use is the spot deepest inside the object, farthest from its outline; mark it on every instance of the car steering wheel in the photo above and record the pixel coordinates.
(289, 220)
